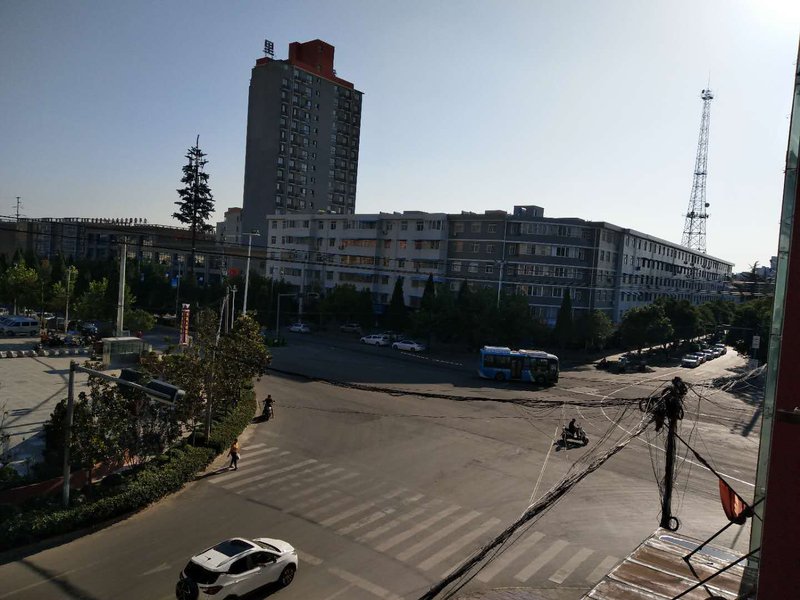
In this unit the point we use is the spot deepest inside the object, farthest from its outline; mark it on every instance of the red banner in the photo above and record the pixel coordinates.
(184, 339)
(735, 508)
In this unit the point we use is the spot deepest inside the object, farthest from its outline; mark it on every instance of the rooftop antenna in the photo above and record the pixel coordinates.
(269, 49)
(694, 229)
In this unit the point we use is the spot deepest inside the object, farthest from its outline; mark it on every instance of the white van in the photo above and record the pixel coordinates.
(19, 326)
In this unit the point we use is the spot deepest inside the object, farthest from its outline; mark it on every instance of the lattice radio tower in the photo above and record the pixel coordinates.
(694, 230)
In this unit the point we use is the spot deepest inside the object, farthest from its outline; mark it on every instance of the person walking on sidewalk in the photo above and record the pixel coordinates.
(234, 454)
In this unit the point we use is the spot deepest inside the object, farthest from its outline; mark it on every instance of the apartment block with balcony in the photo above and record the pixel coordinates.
(316, 252)
(604, 266)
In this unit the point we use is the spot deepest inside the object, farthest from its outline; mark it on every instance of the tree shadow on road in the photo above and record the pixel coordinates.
(66, 589)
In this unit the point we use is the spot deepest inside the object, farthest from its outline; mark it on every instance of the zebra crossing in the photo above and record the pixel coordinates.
(423, 532)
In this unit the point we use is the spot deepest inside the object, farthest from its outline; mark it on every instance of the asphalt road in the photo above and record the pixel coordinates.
(383, 493)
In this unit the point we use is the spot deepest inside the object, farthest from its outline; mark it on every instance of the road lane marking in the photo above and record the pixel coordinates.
(313, 501)
(309, 558)
(346, 588)
(365, 521)
(327, 482)
(457, 545)
(437, 535)
(506, 558)
(541, 560)
(572, 564)
(273, 482)
(346, 497)
(246, 468)
(394, 522)
(265, 474)
(365, 585)
(602, 569)
(404, 535)
(359, 508)
(162, 567)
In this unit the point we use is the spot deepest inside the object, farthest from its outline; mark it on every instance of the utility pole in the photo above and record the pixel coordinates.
(18, 205)
(247, 268)
(694, 229)
(121, 294)
(233, 306)
(668, 408)
(66, 312)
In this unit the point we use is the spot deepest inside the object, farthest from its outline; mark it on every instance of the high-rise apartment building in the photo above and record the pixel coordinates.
(303, 129)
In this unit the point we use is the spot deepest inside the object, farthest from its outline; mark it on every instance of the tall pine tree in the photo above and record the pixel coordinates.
(564, 329)
(197, 202)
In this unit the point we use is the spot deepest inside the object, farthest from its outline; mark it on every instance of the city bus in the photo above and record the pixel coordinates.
(503, 364)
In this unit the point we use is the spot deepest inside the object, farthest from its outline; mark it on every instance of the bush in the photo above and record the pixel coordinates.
(43, 518)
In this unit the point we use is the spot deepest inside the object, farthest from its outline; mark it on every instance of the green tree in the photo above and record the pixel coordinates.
(396, 314)
(593, 329)
(683, 316)
(139, 320)
(428, 295)
(563, 332)
(645, 325)
(22, 284)
(94, 302)
(196, 201)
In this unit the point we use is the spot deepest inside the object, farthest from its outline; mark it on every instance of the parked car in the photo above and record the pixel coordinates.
(723, 349)
(408, 345)
(300, 328)
(709, 354)
(690, 360)
(392, 336)
(376, 339)
(236, 567)
(17, 325)
(701, 357)
(350, 328)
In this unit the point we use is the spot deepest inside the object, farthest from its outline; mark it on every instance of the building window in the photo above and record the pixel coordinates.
(458, 228)
(455, 266)
(491, 228)
(473, 267)
(403, 225)
(476, 247)
(475, 227)
(489, 269)
(420, 225)
(490, 248)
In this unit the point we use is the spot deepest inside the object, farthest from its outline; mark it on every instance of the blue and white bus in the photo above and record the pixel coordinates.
(504, 364)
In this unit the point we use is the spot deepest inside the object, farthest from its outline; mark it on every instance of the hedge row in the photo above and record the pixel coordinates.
(150, 483)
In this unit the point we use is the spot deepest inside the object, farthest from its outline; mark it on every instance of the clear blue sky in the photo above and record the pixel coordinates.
(588, 108)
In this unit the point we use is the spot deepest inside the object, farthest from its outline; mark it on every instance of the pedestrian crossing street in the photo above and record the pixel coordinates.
(421, 531)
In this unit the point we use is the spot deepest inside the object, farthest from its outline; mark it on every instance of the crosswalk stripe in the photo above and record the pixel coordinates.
(312, 501)
(265, 474)
(436, 536)
(346, 497)
(404, 535)
(541, 560)
(602, 569)
(376, 516)
(327, 481)
(233, 474)
(273, 483)
(508, 556)
(457, 545)
(256, 445)
(572, 564)
(397, 521)
(365, 585)
(359, 508)
(249, 469)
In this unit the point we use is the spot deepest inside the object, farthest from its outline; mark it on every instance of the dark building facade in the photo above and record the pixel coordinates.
(303, 131)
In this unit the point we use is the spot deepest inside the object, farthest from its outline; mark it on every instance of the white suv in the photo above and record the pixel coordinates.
(376, 339)
(236, 567)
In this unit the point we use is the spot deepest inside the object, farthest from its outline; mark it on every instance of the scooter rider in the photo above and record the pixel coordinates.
(572, 428)
(268, 411)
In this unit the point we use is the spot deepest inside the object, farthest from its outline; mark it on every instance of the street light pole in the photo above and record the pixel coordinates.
(121, 294)
(247, 268)
(233, 305)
